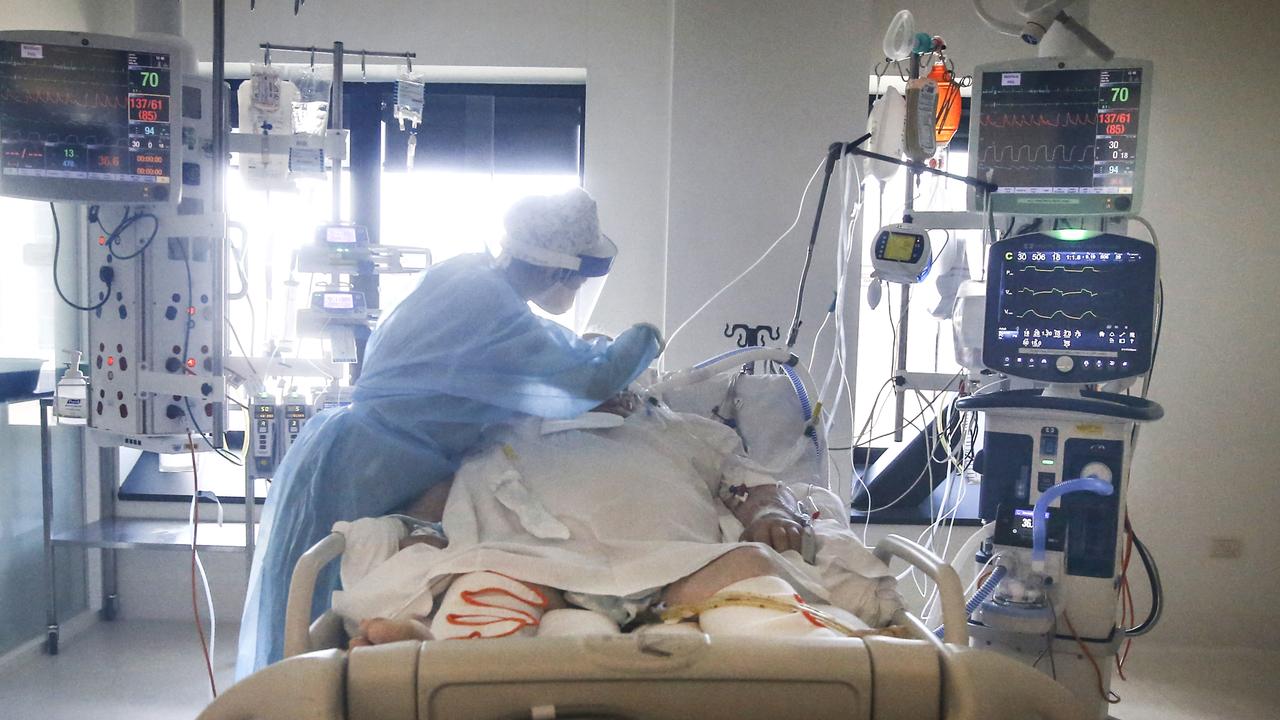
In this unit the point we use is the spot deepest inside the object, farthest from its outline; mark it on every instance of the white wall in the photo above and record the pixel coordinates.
(48, 15)
(760, 90)
(732, 104)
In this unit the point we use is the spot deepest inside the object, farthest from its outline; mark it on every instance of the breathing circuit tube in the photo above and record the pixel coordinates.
(1039, 531)
(790, 365)
(811, 427)
(757, 352)
(982, 594)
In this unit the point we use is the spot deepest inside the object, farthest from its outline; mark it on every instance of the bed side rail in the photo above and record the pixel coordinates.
(984, 685)
(305, 688)
(950, 591)
(302, 587)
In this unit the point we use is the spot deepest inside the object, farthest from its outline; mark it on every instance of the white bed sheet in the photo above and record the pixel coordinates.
(611, 512)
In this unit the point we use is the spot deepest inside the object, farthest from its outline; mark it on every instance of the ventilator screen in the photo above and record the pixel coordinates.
(1070, 306)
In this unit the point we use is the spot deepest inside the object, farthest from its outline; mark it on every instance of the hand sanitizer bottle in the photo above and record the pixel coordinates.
(72, 395)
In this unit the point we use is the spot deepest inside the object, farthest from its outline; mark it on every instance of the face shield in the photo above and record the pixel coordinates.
(593, 271)
(578, 279)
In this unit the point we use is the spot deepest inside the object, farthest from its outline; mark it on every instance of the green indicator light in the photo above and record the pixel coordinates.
(1073, 235)
(1046, 462)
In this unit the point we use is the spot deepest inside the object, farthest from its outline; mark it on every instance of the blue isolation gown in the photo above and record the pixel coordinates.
(462, 352)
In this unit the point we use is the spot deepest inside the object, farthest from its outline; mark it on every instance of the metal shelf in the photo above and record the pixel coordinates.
(134, 533)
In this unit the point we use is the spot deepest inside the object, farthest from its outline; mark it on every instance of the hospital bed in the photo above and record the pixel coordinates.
(647, 673)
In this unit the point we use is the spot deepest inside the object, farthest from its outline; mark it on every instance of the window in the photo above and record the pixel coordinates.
(930, 346)
(480, 148)
(27, 297)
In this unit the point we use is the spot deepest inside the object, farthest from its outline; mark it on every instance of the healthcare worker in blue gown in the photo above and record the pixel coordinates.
(462, 352)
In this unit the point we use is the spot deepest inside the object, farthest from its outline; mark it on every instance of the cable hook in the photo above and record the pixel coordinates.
(313, 56)
(266, 53)
(408, 62)
(364, 75)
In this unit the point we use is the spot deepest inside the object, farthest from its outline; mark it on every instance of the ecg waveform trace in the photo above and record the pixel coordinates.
(1089, 90)
(74, 70)
(88, 99)
(1035, 120)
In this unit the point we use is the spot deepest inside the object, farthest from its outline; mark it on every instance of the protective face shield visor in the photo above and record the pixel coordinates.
(579, 279)
(593, 271)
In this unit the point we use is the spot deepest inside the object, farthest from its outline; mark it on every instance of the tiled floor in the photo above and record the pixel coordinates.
(1176, 683)
(126, 670)
(133, 670)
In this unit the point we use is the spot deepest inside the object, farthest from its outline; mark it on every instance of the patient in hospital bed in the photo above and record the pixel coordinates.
(597, 530)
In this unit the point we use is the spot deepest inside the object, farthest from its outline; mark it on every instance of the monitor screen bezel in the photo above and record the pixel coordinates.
(94, 190)
(1060, 204)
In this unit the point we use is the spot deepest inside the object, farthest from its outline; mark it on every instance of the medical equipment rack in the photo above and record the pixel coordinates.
(111, 533)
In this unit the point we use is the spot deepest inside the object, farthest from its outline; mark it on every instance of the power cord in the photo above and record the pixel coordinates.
(196, 565)
(107, 274)
(127, 221)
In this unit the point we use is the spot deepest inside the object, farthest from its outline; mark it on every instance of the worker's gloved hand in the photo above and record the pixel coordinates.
(780, 530)
(657, 335)
(622, 404)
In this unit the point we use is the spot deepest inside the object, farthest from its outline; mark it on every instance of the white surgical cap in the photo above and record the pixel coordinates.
(552, 230)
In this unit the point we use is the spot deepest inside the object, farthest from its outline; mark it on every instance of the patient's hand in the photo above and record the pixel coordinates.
(770, 516)
(777, 530)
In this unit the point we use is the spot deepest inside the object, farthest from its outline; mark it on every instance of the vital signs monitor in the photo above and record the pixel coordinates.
(89, 118)
(1060, 137)
(1070, 306)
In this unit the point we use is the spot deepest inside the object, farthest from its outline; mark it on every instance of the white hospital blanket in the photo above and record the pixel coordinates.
(607, 512)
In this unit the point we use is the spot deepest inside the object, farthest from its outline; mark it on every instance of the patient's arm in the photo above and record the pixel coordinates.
(769, 515)
(429, 507)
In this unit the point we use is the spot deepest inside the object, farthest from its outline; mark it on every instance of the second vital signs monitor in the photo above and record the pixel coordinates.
(89, 118)
(1060, 136)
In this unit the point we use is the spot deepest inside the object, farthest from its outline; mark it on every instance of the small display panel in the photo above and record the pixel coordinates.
(1014, 528)
(1060, 141)
(86, 113)
(900, 247)
(341, 234)
(339, 301)
(1070, 306)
